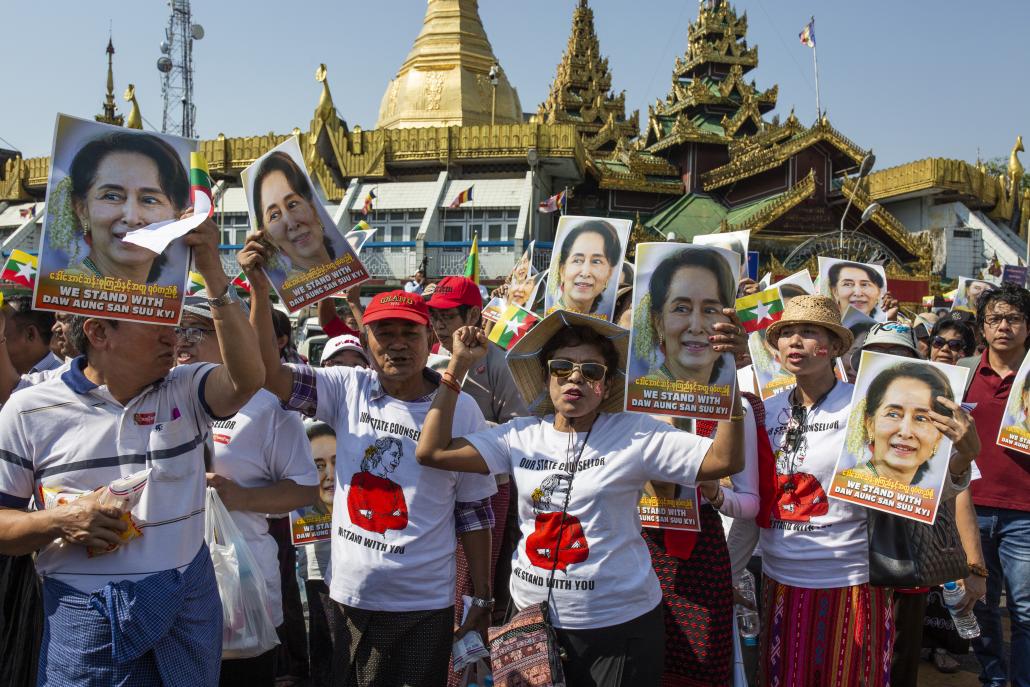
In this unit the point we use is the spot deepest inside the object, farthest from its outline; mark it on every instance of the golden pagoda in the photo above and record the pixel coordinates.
(110, 114)
(451, 76)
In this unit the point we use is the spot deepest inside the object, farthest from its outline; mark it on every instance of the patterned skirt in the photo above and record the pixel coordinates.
(697, 595)
(839, 637)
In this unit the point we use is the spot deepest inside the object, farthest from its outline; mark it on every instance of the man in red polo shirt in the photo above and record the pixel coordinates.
(1002, 496)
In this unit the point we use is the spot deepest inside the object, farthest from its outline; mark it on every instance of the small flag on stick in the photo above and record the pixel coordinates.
(462, 198)
(21, 268)
(512, 325)
(759, 310)
(195, 284)
(357, 236)
(369, 199)
(200, 186)
(241, 281)
(553, 204)
(472, 262)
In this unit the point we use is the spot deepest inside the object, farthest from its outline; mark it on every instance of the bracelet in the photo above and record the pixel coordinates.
(447, 379)
(479, 602)
(978, 570)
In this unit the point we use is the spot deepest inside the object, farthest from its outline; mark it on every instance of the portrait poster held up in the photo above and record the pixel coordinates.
(315, 523)
(679, 293)
(736, 241)
(586, 262)
(860, 285)
(106, 181)
(895, 459)
(309, 259)
(522, 280)
(968, 292)
(1014, 430)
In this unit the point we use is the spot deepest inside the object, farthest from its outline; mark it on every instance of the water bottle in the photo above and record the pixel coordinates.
(747, 618)
(965, 623)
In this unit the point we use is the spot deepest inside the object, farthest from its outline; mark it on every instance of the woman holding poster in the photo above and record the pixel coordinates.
(588, 253)
(579, 465)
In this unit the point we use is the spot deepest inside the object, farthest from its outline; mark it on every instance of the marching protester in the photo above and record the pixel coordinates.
(817, 604)
(262, 464)
(393, 522)
(118, 409)
(1002, 496)
(579, 465)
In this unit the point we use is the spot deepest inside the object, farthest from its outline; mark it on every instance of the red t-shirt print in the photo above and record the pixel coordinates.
(542, 547)
(800, 503)
(376, 504)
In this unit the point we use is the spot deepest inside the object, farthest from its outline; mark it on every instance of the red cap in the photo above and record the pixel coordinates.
(397, 305)
(454, 291)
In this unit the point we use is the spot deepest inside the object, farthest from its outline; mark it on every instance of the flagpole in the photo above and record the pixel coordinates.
(815, 62)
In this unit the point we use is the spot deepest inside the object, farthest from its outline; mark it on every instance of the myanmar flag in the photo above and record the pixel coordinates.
(21, 268)
(472, 262)
(241, 281)
(357, 236)
(758, 311)
(200, 186)
(195, 284)
(512, 326)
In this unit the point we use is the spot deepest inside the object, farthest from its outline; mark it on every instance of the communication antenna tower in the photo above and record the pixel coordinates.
(176, 67)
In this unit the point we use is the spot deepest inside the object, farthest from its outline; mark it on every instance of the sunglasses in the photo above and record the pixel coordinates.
(592, 372)
(953, 344)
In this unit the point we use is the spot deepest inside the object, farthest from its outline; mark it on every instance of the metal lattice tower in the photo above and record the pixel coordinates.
(176, 67)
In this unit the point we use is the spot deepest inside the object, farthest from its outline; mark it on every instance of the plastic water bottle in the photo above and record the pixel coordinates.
(747, 618)
(965, 623)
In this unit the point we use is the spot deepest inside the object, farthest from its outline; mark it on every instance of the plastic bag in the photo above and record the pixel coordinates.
(247, 628)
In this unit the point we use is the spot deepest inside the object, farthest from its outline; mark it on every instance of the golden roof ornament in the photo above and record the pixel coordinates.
(326, 110)
(135, 120)
(446, 78)
(110, 114)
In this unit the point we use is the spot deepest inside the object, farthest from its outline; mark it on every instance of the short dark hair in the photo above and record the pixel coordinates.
(283, 327)
(1010, 294)
(279, 161)
(579, 335)
(25, 316)
(76, 332)
(834, 272)
(961, 326)
(320, 429)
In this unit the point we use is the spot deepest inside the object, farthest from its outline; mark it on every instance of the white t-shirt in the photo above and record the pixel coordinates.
(604, 575)
(814, 542)
(71, 436)
(393, 520)
(259, 446)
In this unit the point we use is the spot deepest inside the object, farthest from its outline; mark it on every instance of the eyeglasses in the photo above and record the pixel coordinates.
(592, 372)
(192, 335)
(1014, 320)
(954, 344)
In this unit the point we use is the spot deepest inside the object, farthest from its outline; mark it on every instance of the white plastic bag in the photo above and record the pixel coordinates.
(247, 628)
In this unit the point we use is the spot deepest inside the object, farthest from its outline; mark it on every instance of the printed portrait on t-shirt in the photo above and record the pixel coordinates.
(799, 495)
(552, 544)
(375, 502)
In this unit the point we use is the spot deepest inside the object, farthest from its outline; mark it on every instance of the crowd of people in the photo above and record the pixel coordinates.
(467, 483)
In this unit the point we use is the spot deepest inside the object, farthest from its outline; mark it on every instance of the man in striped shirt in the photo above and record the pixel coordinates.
(146, 612)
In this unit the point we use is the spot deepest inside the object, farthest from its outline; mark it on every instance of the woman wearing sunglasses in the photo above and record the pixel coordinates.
(579, 465)
(952, 339)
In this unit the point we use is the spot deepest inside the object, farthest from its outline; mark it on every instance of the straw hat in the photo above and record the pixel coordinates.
(528, 369)
(818, 310)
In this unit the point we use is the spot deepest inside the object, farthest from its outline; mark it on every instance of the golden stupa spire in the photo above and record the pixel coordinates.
(447, 78)
(135, 120)
(110, 114)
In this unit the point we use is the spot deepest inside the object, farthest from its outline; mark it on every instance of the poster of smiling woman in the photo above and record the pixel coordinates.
(679, 294)
(585, 265)
(895, 458)
(106, 181)
(1014, 430)
(857, 284)
(309, 259)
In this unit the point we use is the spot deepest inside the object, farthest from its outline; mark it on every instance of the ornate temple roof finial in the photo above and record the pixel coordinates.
(135, 120)
(110, 114)
(326, 109)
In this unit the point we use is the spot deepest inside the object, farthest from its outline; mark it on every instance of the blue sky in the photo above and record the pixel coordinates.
(909, 78)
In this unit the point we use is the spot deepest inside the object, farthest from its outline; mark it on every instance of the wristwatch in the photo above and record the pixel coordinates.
(229, 297)
(482, 603)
